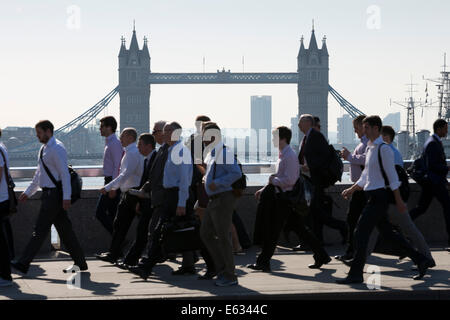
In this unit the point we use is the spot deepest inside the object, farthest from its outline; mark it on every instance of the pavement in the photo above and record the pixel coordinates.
(290, 279)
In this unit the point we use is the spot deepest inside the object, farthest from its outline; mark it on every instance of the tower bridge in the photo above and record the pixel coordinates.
(136, 80)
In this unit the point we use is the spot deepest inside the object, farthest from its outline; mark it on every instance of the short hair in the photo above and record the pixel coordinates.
(373, 121)
(109, 121)
(45, 125)
(131, 132)
(285, 133)
(359, 119)
(202, 118)
(175, 125)
(160, 123)
(388, 131)
(148, 138)
(210, 125)
(438, 124)
(308, 117)
(316, 119)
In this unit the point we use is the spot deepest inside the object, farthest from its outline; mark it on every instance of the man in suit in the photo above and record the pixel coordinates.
(170, 196)
(437, 170)
(55, 200)
(131, 170)
(313, 157)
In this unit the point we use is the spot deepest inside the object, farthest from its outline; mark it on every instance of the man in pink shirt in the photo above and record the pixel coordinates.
(107, 204)
(274, 209)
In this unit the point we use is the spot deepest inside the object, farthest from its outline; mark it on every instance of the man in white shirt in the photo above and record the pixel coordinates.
(375, 211)
(55, 200)
(131, 169)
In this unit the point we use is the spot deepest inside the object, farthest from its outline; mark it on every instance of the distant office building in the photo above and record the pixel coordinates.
(403, 144)
(261, 119)
(295, 140)
(393, 120)
(422, 137)
(346, 133)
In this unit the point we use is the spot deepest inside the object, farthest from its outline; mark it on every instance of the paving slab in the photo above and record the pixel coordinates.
(290, 279)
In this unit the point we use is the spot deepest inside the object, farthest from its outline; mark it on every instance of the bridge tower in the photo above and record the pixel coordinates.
(134, 89)
(312, 66)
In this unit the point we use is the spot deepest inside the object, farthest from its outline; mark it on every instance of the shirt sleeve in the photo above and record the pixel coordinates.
(387, 158)
(129, 164)
(60, 160)
(287, 177)
(233, 172)
(185, 182)
(363, 179)
(358, 159)
(116, 153)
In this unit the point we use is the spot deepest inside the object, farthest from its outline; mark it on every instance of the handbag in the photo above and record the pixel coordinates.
(181, 234)
(75, 180)
(10, 184)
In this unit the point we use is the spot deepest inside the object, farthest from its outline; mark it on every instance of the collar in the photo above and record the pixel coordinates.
(439, 138)
(377, 141)
(51, 142)
(364, 139)
(111, 137)
(172, 146)
(131, 146)
(309, 131)
(285, 150)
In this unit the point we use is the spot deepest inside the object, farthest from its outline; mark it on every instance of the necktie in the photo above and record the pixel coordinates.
(301, 156)
(144, 173)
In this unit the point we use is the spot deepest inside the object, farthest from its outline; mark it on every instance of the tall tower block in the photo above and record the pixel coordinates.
(313, 69)
(134, 89)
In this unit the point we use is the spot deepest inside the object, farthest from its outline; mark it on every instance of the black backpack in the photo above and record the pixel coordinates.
(418, 170)
(334, 170)
(402, 176)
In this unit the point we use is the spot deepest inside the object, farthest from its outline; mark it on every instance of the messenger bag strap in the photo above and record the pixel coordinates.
(46, 169)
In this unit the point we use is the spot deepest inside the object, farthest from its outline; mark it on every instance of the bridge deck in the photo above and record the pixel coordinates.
(290, 279)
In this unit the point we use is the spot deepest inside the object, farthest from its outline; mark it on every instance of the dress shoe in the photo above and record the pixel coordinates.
(208, 275)
(432, 264)
(318, 263)
(184, 270)
(259, 267)
(351, 279)
(346, 256)
(123, 265)
(107, 257)
(142, 272)
(422, 268)
(301, 247)
(74, 268)
(19, 266)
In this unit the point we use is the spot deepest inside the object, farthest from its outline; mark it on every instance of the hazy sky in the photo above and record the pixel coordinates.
(51, 67)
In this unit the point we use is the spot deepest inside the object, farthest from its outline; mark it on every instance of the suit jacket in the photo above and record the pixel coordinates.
(154, 184)
(316, 154)
(434, 156)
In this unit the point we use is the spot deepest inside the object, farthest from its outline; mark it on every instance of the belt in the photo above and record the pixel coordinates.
(48, 189)
(171, 189)
(217, 195)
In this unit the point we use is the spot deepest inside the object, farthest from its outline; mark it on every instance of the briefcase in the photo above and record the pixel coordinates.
(181, 234)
